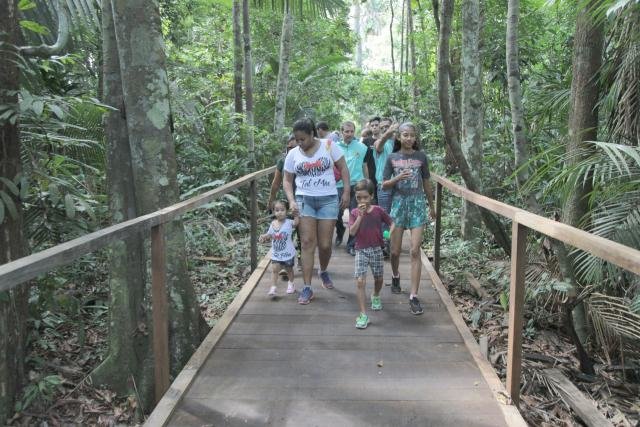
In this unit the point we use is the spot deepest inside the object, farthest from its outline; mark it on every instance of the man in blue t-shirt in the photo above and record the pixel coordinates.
(354, 154)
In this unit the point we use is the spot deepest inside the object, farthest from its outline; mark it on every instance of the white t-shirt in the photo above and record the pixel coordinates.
(314, 175)
(282, 248)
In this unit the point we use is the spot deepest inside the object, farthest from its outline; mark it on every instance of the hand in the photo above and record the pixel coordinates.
(362, 209)
(346, 198)
(405, 174)
(432, 213)
(295, 211)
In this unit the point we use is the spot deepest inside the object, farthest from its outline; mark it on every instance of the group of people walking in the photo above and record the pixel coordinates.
(322, 175)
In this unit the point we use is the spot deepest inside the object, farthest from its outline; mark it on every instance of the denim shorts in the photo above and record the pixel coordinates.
(318, 207)
(286, 263)
(409, 211)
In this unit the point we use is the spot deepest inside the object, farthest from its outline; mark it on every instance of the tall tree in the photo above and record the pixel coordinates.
(13, 245)
(146, 102)
(472, 105)
(237, 57)
(583, 127)
(451, 137)
(129, 360)
(283, 70)
(248, 79)
(515, 92)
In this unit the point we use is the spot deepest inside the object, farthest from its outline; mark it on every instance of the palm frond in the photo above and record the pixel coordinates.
(614, 316)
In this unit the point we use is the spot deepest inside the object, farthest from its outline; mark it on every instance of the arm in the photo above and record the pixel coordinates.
(365, 170)
(296, 221)
(379, 143)
(353, 228)
(390, 183)
(288, 190)
(428, 190)
(264, 238)
(275, 185)
(344, 171)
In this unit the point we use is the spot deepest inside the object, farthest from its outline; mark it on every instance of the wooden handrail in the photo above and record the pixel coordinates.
(616, 253)
(21, 270)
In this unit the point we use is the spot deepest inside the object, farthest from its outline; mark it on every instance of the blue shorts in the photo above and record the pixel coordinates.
(409, 211)
(286, 263)
(318, 207)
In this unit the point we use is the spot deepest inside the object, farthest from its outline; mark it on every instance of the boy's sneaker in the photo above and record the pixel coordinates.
(326, 280)
(291, 288)
(414, 306)
(362, 321)
(376, 303)
(305, 296)
(272, 291)
(395, 285)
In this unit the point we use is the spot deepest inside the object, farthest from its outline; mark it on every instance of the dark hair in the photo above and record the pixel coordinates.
(305, 125)
(397, 144)
(365, 184)
(322, 126)
(386, 119)
(283, 203)
(375, 119)
(347, 123)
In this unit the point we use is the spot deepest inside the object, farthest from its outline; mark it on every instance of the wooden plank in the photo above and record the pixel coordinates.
(572, 396)
(338, 343)
(438, 229)
(478, 199)
(183, 381)
(516, 309)
(219, 412)
(510, 413)
(160, 311)
(19, 271)
(620, 255)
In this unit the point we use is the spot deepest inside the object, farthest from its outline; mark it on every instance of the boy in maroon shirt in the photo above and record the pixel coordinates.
(365, 223)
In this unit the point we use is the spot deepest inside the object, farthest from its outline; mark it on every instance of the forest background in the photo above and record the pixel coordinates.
(531, 102)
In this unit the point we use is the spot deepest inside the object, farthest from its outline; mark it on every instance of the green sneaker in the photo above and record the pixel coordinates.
(376, 303)
(362, 321)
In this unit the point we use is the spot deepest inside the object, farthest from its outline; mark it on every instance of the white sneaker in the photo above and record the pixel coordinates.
(291, 288)
(272, 291)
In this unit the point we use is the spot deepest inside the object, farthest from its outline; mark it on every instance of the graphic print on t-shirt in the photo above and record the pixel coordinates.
(411, 165)
(282, 247)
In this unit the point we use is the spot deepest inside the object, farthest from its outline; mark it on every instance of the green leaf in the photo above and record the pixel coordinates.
(38, 107)
(504, 301)
(57, 111)
(10, 185)
(69, 206)
(54, 193)
(34, 26)
(26, 5)
(10, 205)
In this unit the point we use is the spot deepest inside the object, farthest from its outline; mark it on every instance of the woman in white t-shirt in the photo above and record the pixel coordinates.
(315, 199)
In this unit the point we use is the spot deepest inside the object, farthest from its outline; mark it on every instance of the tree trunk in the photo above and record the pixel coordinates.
(146, 99)
(283, 72)
(237, 58)
(402, 41)
(393, 57)
(248, 80)
(358, 31)
(129, 360)
(472, 182)
(583, 123)
(472, 106)
(515, 93)
(415, 91)
(13, 245)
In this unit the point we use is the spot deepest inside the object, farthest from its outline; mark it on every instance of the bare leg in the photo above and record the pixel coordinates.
(290, 273)
(377, 285)
(275, 273)
(360, 292)
(396, 247)
(308, 231)
(416, 261)
(325, 233)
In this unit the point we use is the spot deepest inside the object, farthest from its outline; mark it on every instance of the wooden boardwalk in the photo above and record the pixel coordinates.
(283, 364)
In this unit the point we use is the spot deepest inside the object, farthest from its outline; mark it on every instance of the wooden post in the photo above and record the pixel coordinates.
(254, 224)
(436, 243)
(159, 311)
(516, 309)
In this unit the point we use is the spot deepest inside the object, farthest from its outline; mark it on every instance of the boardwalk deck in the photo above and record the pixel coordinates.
(280, 363)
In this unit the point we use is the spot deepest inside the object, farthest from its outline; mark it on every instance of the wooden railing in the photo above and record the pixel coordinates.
(620, 255)
(19, 271)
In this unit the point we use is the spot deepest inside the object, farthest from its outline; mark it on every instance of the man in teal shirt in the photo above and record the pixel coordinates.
(354, 154)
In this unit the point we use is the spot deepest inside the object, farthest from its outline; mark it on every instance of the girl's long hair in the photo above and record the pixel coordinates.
(397, 144)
